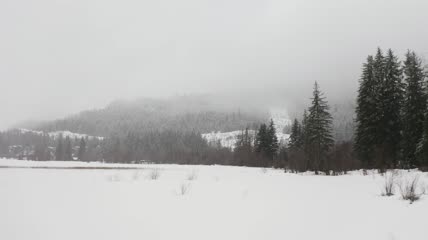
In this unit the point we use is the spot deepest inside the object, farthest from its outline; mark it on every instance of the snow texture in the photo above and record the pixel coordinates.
(200, 202)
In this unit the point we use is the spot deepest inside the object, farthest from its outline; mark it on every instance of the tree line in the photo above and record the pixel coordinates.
(312, 146)
(41, 147)
(391, 114)
(259, 148)
(391, 132)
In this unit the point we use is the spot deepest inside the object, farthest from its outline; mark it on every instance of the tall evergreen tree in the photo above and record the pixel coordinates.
(262, 143)
(266, 143)
(59, 152)
(296, 135)
(414, 108)
(379, 130)
(319, 131)
(297, 151)
(390, 102)
(366, 112)
(273, 144)
(82, 149)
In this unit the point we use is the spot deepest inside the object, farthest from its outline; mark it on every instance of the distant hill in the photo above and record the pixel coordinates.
(189, 113)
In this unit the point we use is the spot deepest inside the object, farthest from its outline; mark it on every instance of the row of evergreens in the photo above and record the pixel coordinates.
(390, 114)
(311, 140)
(391, 132)
(311, 146)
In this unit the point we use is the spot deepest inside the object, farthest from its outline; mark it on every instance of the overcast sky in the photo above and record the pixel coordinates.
(60, 57)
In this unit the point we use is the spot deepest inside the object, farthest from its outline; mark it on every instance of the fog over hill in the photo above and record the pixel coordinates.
(187, 113)
(191, 113)
(68, 56)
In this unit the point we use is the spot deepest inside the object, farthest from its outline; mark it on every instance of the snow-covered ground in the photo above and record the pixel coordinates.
(200, 202)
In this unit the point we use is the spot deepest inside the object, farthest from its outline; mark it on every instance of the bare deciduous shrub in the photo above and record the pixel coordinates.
(183, 189)
(264, 170)
(192, 175)
(409, 189)
(154, 174)
(389, 183)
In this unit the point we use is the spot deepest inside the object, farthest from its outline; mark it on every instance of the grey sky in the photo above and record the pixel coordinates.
(60, 57)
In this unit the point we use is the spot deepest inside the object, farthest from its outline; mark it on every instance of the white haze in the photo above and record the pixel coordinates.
(60, 57)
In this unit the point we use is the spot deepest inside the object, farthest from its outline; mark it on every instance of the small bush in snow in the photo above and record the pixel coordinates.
(154, 174)
(192, 175)
(409, 189)
(264, 170)
(389, 184)
(183, 189)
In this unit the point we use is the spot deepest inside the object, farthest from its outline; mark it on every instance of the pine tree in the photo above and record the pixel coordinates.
(59, 152)
(273, 144)
(297, 155)
(379, 130)
(319, 131)
(390, 103)
(296, 135)
(68, 152)
(82, 149)
(366, 115)
(262, 144)
(414, 108)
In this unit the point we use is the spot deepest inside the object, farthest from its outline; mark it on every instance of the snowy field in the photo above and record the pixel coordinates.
(199, 202)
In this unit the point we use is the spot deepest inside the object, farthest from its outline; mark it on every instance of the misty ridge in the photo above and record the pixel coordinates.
(145, 128)
(198, 113)
(143, 49)
(240, 130)
(184, 114)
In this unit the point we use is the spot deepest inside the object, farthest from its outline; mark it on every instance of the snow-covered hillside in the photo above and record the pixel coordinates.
(229, 139)
(281, 118)
(200, 202)
(226, 139)
(56, 134)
